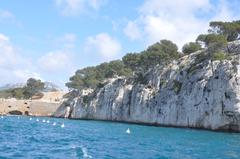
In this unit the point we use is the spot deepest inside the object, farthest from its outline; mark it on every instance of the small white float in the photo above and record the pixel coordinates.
(62, 126)
(128, 131)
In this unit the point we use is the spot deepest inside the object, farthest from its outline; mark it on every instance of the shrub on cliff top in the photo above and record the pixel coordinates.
(132, 60)
(91, 77)
(191, 47)
(159, 53)
(212, 38)
(231, 30)
(132, 63)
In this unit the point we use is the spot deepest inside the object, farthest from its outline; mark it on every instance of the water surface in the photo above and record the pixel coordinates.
(21, 137)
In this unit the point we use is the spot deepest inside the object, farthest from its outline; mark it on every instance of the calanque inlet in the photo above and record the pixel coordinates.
(114, 79)
(195, 87)
(193, 92)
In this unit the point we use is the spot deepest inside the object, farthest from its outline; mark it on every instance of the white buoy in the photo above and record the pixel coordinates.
(48, 121)
(2, 117)
(30, 118)
(37, 120)
(62, 126)
(43, 120)
(128, 131)
(54, 124)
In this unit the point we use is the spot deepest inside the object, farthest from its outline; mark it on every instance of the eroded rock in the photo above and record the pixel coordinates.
(185, 93)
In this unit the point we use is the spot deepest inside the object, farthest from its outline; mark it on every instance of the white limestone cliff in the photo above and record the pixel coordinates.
(186, 93)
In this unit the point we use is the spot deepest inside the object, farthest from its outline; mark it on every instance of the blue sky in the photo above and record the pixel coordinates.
(50, 39)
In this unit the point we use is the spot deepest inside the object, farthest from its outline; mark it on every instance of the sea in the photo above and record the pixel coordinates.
(52, 138)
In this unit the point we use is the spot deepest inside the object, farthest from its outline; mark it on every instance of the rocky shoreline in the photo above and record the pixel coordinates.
(191, 92)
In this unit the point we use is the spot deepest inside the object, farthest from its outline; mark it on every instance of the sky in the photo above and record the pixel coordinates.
(51, 39)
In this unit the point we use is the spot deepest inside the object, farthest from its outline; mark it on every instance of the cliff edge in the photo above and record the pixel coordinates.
(191, 92)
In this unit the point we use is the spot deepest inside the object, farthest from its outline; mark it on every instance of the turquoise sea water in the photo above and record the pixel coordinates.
(21, 137)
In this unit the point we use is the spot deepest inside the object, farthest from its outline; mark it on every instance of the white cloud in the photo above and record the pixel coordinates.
(180, 20)
(55, 61)
(8, 17)
(104, 45)
(13, 66)
(3, 38)
(16, 76)
(132, 30)
(76, 7)
(176, 7)
(9, 56)
(5, 14)
(224, 11)
(23, 75)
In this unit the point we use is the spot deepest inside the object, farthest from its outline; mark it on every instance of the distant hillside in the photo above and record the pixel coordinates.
(12, 86)
(48, 86)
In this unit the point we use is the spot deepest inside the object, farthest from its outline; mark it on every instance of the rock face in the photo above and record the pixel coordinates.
(191, 92)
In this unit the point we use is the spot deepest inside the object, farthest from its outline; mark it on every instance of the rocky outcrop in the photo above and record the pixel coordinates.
(191, 92)
(45, 106)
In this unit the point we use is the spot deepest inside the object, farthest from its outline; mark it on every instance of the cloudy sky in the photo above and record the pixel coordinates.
(50, 39)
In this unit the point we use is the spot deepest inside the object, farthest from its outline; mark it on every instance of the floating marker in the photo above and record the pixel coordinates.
(30, 118)
(62, 126)
(43, 120)
(37, 120)
(54, 124)
(128, 131)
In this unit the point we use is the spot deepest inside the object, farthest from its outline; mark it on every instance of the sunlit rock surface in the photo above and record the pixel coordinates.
(186, 93)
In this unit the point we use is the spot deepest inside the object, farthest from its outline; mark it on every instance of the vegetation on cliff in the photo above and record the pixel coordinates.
(132, 64)
(135, 65)
(191, 47)
(230, 30)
